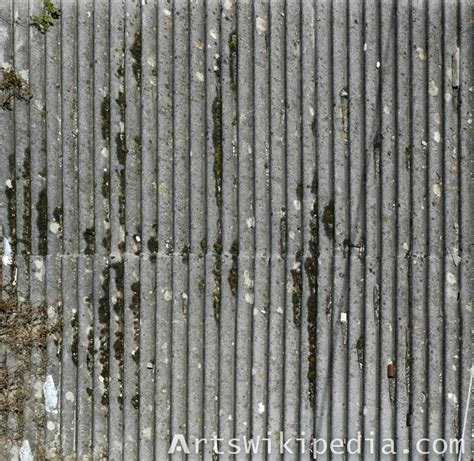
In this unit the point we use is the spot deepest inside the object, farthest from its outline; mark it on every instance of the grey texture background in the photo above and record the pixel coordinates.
(243, 213)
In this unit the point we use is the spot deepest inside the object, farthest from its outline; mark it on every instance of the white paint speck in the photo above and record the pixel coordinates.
(261, 408)
(437, 137)
(50, 394)
(261, 24)
(437, 189)
(447, 97)
(248, 282)
(50, 425)
(213, 34)
(251, 222)
(25, 452)
(70, 396)
(167, 12)
(200, 76)
(343, 317)
(433, 89)
(279, 310)
(421, 53)
(386, 109)
(54, 227)
(249, 298)
(297, 204)
(451, 278)
(167, 295)
(9, 184)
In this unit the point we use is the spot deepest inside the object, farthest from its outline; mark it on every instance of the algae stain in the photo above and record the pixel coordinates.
(233, 60)
(234, 271)
(27, 202)
(42, 222)
(105, 114)
(217, 272)
(104, 319)
(217, 133)
(311, 267)
(136, 50)
(89, 237)
(329, 219)
(297, 295)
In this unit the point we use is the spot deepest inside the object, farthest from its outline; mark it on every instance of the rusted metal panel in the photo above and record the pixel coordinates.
(243, 218)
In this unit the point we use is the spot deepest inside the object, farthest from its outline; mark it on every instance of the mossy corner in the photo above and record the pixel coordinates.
(13, 86)
(45, 20)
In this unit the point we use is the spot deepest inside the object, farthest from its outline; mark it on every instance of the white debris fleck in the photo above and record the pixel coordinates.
(200, 76)
(147, 433)
(343, 317)
(386, 109)
(249, 298)
(213, 34)
(261, 408)
(50, 394)
(453, 397)
(433, 89)
(405, 246)
(228, 4)
(25, 75)
(297, 204)
(54, 227)
(365, 46)
(104, 152)
(7, 257)
(149, 365)
(251, 222)
(70, 396)
(279, 310)
(261, 24)
(9, 184)
(248, 282)
(424, 143)
(451, 278)
(167, 295)
(167, 12)
(377, 65)
(25, 451)
(437, 189)
(421, 53)
(447, 97)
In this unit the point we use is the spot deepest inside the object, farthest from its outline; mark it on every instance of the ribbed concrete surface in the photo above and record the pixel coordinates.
(243, 213)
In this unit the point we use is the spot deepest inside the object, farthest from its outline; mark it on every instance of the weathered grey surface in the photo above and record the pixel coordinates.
(243, 213)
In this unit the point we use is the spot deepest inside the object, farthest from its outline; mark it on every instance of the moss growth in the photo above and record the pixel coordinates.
(10, 193)
(45, 20)
(217, 272)
(202, 285)
(233, 60)
(328, 219)
(311, 267)
(152, 245)
(12, 86)
(104, 319)
(136, 51)
(75, 339)
(283, 232)
(297, 295)
(185, 253)
(27, 202)
(217, 133)
(234, 271)
(105, 114)
(89, 237)
(90, 349)
(118, 308)
(42, 222)
(360, 351)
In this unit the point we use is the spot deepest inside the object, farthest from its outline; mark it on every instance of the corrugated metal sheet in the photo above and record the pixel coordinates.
(248, 217)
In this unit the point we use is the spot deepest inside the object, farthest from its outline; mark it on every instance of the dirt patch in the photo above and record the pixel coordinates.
(24, 334)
